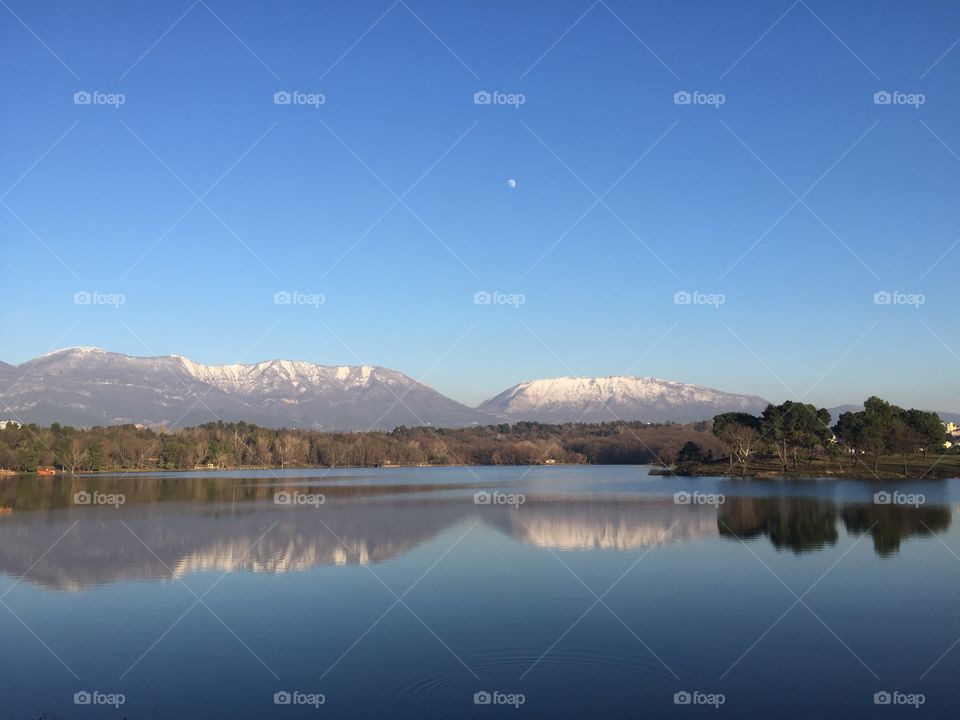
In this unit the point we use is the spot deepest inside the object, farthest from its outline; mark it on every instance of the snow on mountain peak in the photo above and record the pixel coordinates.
(591, 399)
(90, 386)
(275, 374)
(614, 387)
(77, 351)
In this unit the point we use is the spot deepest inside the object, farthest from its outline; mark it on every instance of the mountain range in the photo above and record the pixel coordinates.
(85, 386)
(89, 386)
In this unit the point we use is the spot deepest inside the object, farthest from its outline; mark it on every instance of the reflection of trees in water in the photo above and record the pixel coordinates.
(889, 524)
(800, 524)
(805, 524)
(26, 493)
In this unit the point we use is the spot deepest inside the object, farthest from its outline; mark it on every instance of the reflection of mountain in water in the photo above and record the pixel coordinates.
(181, 538)
(805, 524)
(166, 540)
(177, 539)
(607, 525)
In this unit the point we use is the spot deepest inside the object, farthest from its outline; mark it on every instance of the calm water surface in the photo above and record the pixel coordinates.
(600, 596)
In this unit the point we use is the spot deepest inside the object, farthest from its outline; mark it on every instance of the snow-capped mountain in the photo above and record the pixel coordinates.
(90, 386)
(589, 399)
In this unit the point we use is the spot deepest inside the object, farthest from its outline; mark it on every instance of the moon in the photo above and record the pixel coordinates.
(511, 183)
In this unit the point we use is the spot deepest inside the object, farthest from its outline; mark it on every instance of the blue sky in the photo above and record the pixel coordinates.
(303, 198)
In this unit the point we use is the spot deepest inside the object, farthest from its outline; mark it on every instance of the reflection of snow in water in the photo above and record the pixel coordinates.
(618, 531)
(174, 540)
(179, 539)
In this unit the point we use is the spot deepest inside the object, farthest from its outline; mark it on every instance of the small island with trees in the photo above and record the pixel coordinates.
(794, 438)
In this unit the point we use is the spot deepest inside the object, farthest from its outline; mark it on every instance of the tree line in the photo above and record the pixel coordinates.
(240, 444)
(787, 431)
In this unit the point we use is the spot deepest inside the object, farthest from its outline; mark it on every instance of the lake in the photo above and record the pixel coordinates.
(541, 592)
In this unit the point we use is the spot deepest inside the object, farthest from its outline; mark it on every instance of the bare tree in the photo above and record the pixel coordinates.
(744, 441)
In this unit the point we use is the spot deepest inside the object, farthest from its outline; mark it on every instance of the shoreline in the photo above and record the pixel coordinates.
(940, 468)
(242, 468)
(943, 467)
